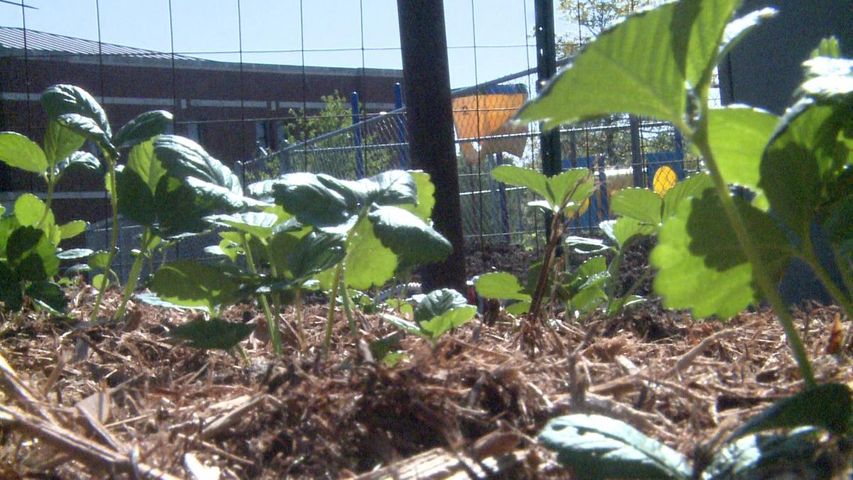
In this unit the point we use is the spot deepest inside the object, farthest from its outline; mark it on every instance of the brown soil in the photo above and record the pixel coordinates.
(302, 416)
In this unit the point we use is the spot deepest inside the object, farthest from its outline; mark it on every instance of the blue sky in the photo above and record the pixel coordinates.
(272, 32)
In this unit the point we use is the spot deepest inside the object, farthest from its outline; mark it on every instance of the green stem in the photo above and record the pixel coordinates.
(327, 341)
(48, 201)
(111, 177)
(348, 307)
(836, 293)
(272, 325)
(762, 277)
(135, 270)
(542, 282)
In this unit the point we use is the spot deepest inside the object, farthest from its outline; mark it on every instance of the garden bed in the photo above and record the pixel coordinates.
(461, 407)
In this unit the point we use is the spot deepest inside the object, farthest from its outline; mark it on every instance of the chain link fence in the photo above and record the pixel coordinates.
(620, 151)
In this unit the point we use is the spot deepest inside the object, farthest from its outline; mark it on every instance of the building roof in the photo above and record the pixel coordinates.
(46, 45)
(14, 39)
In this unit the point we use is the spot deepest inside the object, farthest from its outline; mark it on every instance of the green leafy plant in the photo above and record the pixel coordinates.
(382, 219)
(562, 196)
(718, 253)
(433, 314)
(716, 243)
(82, 118)
(325, 233)
(596, 446)
(30, 236)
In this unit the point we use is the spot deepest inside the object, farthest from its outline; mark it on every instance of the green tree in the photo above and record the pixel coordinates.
(591, 18)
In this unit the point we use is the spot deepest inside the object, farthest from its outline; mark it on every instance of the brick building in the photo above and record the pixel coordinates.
(230, 108)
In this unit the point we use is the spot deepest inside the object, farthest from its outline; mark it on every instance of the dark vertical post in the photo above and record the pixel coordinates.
(401, 128)
(426, 82)
(356, 121)
(636, 155)
(546, 67)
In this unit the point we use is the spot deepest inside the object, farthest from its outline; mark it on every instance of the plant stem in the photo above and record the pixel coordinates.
(272, 325)
(48, 200)
(135, 270)
(111, 178)
(762, 278)
(817, 267)
(542, 282)
(327, 341)
(348, 307)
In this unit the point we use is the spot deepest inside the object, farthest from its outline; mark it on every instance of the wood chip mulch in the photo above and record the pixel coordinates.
(85, 400)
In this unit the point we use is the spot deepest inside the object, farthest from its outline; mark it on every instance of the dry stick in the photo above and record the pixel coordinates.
(82, 449)
(24, 394)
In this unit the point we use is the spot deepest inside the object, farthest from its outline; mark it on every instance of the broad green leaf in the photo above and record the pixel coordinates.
(82, 161)
(828, 406)
(309, 200)
(456, 317)
(29, 210)
(641, 204)
(524, 177)
(599, 447)
(500, 285)
(72, 229)
(700, 263)
(354, 193)
(258, 224)
(89, 128)
(518, 308)
(426, 196)
(401, 323)
(413, 241)
(60, 142)
(839, 227)
(315, 253)
(10, 288)
(625, 228)
(738, 136)
(394, 187)
(588, 298)
(135, 200)
(144, 162)
(575, 185)
(437, 303)
(183, 158)
(47, 295)
(686, 189)
(19, 151)
(145, 126)
(99, 259)
(641, 66)
(698, 29)
(192, 284)
(182, 205)
(101, 281)
(281, 246)
(31, 254)
(804, 154)
(591, 267)
(60, 99)
(212, 334)
(369, 263)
